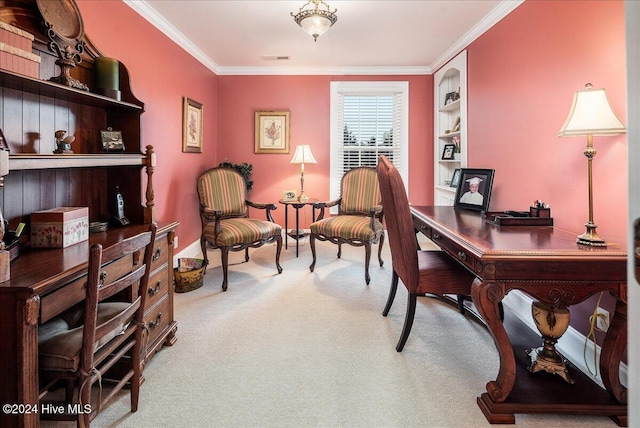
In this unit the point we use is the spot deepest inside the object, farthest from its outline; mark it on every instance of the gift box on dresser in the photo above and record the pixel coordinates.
(59, 227)
(16, 51)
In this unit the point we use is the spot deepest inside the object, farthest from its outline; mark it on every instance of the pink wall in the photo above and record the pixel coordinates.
(308, 100)
(522, 75)
(161, 74)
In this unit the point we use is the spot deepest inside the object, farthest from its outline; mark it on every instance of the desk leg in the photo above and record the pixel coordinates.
(486, 297)
(613, 347)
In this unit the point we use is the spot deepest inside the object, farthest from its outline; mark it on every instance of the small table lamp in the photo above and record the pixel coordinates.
(591, 115)
(303, 155)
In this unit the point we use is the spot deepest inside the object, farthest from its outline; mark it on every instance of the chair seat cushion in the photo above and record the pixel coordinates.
(235, 231)
(59, 347)
(347, 227)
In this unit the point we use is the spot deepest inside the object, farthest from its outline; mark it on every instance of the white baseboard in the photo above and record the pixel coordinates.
(571, 344)
(193, 250)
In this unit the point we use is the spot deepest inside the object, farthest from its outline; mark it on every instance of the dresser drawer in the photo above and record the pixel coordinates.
(158, 286)
(160, 253)
(158, 318)
(74, 292)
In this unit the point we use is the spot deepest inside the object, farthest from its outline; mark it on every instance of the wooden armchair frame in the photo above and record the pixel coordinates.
(375, 214)
(269, 230)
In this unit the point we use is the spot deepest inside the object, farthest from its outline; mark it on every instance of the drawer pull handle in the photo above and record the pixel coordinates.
(462, 256)
(156, 323)
(436, 236)
(156, 255)
(155, 290)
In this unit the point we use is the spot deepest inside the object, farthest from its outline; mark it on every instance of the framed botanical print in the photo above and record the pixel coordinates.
(191, 126)
(272, 132)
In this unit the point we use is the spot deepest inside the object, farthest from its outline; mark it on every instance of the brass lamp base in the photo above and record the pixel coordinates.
(303, 197)
(552, 323)
(590, 237)
(549, 361)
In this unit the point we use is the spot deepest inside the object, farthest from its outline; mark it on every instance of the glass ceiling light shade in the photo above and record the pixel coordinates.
(315, 21)
(591, 115)
(303, 155)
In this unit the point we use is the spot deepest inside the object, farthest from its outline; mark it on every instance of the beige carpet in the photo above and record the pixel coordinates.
(305, 349)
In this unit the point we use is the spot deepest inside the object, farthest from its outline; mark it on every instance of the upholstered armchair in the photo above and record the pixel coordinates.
(225, 221)
(359, 219)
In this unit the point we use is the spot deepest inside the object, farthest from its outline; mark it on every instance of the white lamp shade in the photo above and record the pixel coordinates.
(591, 114)
(303, 155)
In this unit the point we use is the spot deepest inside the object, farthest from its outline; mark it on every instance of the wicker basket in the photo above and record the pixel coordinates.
(188, 279)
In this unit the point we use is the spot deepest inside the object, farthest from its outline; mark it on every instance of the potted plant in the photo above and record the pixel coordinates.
(245, 170)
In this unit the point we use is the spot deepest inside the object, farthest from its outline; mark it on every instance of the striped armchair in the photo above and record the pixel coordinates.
(225, 221)
(359, 219)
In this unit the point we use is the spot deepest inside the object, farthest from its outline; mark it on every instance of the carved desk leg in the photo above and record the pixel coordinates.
(613, 348)
(486, 297)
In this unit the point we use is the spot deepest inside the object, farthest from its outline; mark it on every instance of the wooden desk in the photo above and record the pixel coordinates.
(547, 264)
(46, 282)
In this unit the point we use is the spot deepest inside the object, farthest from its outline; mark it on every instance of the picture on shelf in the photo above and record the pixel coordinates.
(447, 153)
(455, 178)
(474, 189)
(450, 97)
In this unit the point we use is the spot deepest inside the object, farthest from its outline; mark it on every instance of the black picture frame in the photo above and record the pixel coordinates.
(465, 195)
(455, 178)
(448, 151)
(450, 97)
(112, 140)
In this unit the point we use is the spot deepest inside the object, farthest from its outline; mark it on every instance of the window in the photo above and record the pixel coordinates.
(368, 119)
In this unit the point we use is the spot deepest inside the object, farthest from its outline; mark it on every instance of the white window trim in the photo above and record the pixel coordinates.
(367, 88)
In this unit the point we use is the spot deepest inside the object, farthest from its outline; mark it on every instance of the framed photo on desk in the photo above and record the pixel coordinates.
(474, 189)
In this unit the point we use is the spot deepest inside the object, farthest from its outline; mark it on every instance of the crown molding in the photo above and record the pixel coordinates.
(316, 71)
(500, 11)
(158, 21)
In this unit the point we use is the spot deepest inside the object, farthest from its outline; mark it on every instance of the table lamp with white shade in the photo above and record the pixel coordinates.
(303, 155)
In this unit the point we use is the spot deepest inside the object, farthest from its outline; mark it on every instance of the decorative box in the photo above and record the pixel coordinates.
(59, 227)
(16, 51)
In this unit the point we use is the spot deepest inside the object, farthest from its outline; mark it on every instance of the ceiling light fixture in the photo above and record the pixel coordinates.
(315, 21)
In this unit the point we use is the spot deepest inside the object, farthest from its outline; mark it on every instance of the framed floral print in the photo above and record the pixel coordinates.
(272, 132)
(191, 126)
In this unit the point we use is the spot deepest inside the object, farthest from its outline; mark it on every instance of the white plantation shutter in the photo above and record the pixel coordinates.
(368, 119)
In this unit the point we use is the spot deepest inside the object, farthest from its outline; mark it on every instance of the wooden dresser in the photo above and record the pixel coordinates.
(44, 282)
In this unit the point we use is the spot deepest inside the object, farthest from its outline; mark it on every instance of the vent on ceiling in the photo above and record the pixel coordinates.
(276, 57)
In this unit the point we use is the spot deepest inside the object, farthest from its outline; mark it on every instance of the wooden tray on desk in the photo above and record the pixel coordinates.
(516, 218)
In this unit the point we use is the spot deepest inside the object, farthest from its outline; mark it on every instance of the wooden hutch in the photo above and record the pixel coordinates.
(44, 282)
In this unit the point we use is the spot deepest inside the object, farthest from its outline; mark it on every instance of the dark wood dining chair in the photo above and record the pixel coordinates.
(107, 348)
(421, 272)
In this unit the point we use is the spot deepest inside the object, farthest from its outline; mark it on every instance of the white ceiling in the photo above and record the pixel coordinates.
(370, 37)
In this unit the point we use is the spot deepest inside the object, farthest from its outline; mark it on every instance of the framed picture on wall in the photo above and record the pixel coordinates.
(474, 189)
(272, 132)
(191, 126)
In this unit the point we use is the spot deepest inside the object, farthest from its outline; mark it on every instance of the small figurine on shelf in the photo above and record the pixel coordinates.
(63, 144)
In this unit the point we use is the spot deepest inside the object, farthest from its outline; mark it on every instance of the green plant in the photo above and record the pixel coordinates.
(245, 170)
